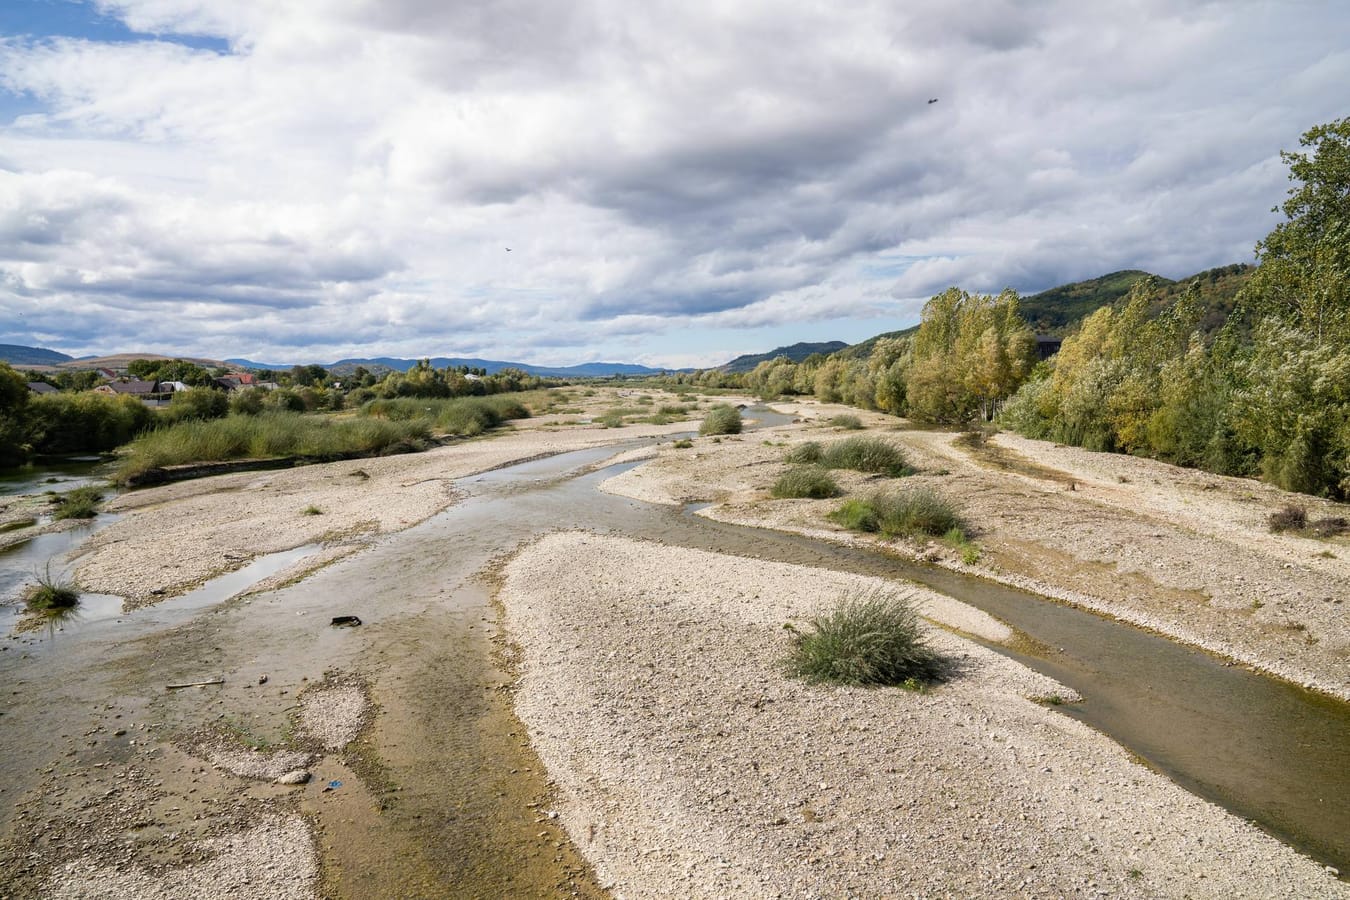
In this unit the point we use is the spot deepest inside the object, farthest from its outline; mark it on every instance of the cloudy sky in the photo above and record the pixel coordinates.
(678, 182)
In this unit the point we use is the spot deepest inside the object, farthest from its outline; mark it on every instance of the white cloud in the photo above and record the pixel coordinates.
(346, 179)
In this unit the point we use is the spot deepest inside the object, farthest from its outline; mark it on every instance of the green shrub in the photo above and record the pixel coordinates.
(866, 454)
(196, 403)
(683, 444)
(805, 481)
(612, 419)
(721, 419)
(670, 410)
(857, 515)
(918, 512)
(869, 639)
(84, 422)
(809, 452)
(248, 402)
(460, 416)
(51, 596)
(847, 422)
(80, 503)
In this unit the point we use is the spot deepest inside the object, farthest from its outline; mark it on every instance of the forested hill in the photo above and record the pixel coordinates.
(16, 355)
(1058, 310)
(796, 353)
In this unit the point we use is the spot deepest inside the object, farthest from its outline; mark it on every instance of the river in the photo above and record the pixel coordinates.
(1270, 752)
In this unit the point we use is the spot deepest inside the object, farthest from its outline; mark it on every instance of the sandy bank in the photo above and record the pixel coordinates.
(689, 765)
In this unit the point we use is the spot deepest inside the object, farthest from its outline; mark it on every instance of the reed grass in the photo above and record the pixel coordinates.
(271, 435)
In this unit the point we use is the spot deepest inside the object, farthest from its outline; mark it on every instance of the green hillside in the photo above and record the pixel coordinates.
(17, 355)
(1053, 311)
(1058, 310)
(796, 353)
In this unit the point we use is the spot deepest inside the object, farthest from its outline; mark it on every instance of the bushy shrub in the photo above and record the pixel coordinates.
(460, 416)
(84, 422)
(248, 402)
(1289, 517)
(913, 513)
(811, 482)
(809, 452)
(865, 454)
(80, 503)
(869, 639)
(51, 596)
(196, 403)
(284, 400)
(721, 419)
(846, 422)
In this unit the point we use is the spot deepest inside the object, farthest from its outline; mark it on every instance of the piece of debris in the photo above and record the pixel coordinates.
(346, 621)
(332, 786)
(174, 687)
(296, 776)
(262, 679)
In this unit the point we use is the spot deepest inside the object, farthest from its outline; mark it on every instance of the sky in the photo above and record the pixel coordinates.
(667, 183)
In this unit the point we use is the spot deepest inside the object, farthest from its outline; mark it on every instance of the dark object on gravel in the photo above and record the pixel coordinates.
(346, 621)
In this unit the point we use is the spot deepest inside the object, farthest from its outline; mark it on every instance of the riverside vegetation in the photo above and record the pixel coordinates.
(869, 639)
(1256, 384)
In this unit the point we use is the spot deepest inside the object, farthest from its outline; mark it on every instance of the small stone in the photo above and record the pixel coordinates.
(297, 776)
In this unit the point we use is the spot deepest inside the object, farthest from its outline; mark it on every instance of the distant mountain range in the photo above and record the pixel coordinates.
(491, 366)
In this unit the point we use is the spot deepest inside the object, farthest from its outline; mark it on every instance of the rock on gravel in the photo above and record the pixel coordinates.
(688, 765)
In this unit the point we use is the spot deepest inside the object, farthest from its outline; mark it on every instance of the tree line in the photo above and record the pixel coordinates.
(79, 420)
(1265, 393)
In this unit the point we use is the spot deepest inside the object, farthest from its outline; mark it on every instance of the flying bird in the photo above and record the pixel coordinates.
(931, 102)
(508, 249)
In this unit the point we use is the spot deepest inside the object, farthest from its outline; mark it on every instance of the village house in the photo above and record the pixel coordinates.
(139, 389)
(42, 387)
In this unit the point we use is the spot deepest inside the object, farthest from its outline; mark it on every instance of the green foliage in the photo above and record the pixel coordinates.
(866, 454)
(869, 639)
(683, 444)
(1269, 392)
(83, 423)
(721, 419)
(51, 596)
(970, 353)
(196, 403)
(1304, 278)
(248, 402)
(808, 452)
(14, 447)
(805, 481)
(461, 416)
(913, 513)
(846, 422)
(270, 435)
(80, 503)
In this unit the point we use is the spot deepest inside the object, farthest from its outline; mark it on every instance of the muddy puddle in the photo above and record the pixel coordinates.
(448, 798)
